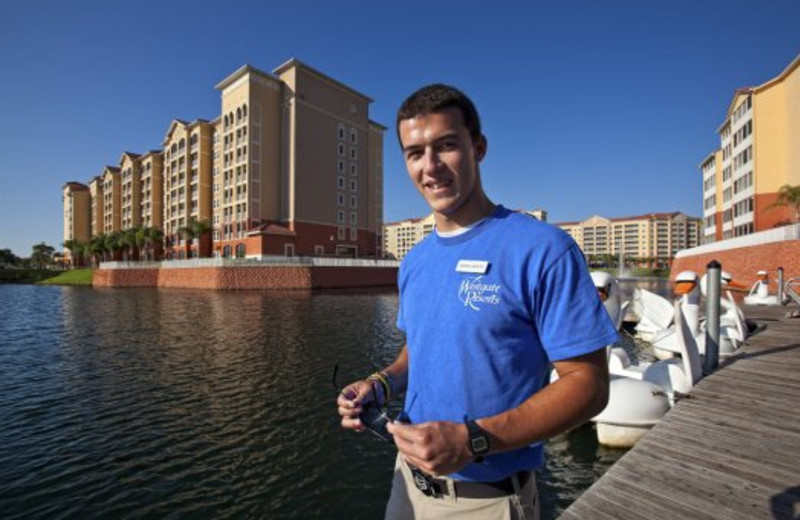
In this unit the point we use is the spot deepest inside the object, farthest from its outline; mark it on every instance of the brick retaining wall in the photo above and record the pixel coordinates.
(249, 277)
(744, 262)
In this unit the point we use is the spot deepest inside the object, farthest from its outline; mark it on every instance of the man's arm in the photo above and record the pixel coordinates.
(354, 396)
(580, 393)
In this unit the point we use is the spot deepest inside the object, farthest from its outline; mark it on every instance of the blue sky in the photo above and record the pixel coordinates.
(589, 107)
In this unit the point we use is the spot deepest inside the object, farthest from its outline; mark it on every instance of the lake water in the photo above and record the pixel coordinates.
(145, 403)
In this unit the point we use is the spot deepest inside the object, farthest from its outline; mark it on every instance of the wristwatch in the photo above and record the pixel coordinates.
(478, 440)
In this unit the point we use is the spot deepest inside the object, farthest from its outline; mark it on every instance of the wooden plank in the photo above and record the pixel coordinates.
(745, 465)
(730, 452)
(736, 428)
(695, 486)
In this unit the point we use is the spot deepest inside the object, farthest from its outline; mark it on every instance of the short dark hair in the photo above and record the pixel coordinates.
(435, 98)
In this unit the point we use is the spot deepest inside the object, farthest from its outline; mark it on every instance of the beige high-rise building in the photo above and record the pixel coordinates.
(759, 153)
(652, 238)
(152, 189)
(187, 183)
(77, 207)
(292, 165)
(96, 206)
(131, 197)
(302, 166)
(112, 200)
(400, 237)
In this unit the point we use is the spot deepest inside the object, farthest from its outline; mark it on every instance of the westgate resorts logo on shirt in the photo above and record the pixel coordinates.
(475, 293)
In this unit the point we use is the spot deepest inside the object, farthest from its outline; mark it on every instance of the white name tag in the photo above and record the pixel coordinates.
(472, 266)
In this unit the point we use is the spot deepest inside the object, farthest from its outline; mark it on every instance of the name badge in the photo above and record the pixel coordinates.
(472, 266)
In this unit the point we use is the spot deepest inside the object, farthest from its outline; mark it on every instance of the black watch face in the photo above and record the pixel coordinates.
(479, 444)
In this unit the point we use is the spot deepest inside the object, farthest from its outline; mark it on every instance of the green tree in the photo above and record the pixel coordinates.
(7, 257)
(788, 196)
(77, 251)
(152, 237)
(197, 230)
(42, 255)
(127, 240)
(97, 248)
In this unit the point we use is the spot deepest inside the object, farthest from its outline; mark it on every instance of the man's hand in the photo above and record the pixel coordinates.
(352, 399)
(437, 448)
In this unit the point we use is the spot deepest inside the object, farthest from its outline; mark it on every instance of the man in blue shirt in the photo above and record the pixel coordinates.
(487, 303)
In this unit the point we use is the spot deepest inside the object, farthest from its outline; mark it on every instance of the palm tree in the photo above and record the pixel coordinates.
(140, 241)
(151, 236)
(127, 239)
(197, 230)
(788, 196)
(73, 246)
(96, 247)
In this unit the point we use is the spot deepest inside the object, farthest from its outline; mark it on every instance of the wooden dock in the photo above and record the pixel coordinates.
(729, 451)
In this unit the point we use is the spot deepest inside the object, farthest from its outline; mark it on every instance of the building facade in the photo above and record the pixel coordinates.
(400, 237)
(651, 239)
(77, 210)
(292, 166)
(759, 153)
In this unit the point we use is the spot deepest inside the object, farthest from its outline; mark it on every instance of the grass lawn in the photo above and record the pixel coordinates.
(71, 277)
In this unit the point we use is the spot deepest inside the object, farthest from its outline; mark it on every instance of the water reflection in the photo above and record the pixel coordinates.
(181, 403)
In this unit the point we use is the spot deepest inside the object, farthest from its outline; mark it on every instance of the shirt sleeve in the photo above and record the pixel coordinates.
(570, 318)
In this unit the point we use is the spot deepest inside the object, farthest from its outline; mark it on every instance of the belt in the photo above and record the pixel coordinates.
(436, 487)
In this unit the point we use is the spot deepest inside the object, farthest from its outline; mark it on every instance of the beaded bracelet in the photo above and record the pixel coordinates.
(383, 379)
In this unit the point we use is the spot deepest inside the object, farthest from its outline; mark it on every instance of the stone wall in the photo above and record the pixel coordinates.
(249, 277)
(744, 262)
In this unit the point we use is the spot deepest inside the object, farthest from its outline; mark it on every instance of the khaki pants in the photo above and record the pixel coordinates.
(407, 502)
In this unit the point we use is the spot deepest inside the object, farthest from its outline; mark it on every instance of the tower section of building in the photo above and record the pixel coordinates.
(247, 176)
(187, 183)
(77, 220)
(112, 200)
(96, 206)
(131, 190)
(759, 154)
(332, 170)
(152, 189)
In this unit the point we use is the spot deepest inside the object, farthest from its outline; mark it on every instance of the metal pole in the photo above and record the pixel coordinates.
(713, 277)
(780, 286)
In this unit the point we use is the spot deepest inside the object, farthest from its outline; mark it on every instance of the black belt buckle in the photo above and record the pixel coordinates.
(425, 483)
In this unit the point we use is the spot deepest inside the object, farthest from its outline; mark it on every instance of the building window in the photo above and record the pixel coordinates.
(340, 199)
(353, 170)
(341, 149)
(353, 185)
(341, 131)
(341, 233)
(353, 136)
(353, 153)
(340, 166)
(353, 219)
(340, 182)
(353, 234)
(319, 250)
(340, 217)
(353, 201)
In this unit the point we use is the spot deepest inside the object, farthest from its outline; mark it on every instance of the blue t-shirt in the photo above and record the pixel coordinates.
(484, 313)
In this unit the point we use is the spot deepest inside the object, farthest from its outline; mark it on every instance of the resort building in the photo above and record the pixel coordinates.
(292, 166)
(651, 239)
(400, 237)
(187, 185)
(130, 177)
(77, 205)
(96, 206)
(112, 207)
(759, 153)
(152, 189)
